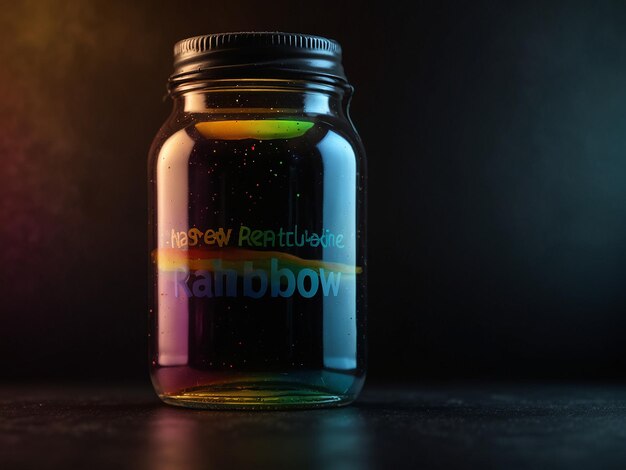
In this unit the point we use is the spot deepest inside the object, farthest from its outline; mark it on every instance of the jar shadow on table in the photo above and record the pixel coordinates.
(302, 439)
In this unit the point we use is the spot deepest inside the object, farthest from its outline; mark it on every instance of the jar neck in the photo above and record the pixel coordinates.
(264, 97)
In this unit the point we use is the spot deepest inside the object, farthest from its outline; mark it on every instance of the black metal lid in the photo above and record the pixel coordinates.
(257, 55)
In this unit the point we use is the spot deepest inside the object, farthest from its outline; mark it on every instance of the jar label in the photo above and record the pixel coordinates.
(251, 262)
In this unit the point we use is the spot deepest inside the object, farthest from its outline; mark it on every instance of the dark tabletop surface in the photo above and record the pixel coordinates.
(420, 426)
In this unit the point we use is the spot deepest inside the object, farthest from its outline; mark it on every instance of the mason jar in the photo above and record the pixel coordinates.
(257, 227)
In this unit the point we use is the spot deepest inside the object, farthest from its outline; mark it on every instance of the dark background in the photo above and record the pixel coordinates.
(496, 137)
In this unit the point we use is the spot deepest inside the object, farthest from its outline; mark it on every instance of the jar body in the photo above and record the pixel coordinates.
(257, 239)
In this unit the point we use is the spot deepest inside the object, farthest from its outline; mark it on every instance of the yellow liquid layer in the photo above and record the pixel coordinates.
(265, 129)
(171, 259)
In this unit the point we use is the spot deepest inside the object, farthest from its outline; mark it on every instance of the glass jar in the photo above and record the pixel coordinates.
(257, 227)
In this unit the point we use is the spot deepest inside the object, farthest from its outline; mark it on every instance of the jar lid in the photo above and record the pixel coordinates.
(257, 55)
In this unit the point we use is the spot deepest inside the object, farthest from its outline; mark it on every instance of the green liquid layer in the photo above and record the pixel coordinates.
(267, 392)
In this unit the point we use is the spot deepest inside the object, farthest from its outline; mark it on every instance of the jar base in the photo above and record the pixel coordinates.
(255, 396)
